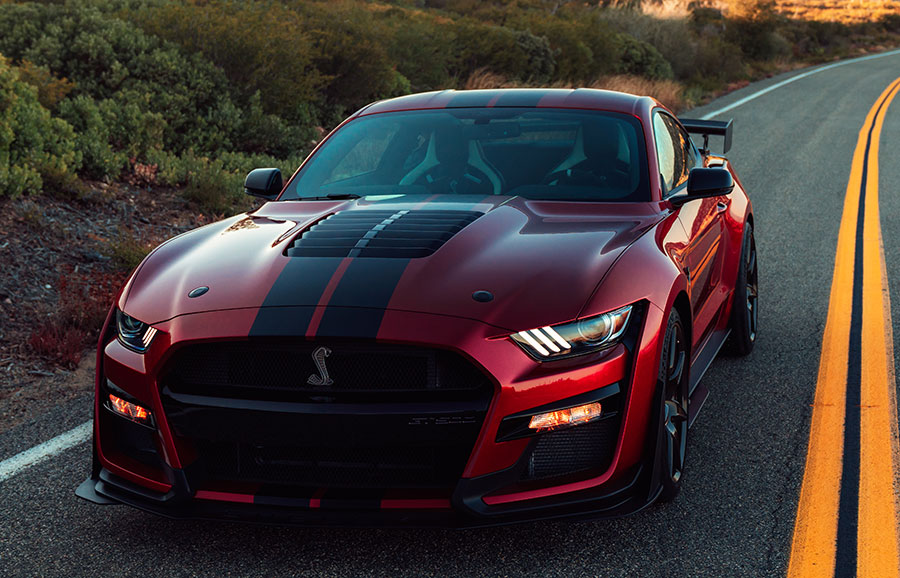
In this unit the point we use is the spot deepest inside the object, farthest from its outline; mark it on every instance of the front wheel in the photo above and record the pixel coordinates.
(673, 379)
(745, 304)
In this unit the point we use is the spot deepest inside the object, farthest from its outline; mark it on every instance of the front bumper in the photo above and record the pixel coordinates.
(614, 500)
(490, 490)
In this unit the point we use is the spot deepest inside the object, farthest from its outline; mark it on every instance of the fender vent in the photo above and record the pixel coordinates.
(393, 234)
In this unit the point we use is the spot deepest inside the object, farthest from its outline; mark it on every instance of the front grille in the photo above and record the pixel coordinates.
(335, 467)
(576, 449)
(406, 234)
(286, 370)
(394, 417)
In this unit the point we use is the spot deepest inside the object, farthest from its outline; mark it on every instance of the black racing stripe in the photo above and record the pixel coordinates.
(523, 98)
(848, 506)
(357, 306)
(301, 282)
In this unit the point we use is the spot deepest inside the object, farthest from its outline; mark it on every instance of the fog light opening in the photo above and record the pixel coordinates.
(130, 411)
(565, 417)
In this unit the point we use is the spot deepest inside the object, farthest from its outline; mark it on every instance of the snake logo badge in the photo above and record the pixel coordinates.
(319, 356)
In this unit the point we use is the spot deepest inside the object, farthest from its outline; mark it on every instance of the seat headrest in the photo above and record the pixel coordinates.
(600, 138)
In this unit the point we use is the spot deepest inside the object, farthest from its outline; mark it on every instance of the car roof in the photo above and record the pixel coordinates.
(581, 98)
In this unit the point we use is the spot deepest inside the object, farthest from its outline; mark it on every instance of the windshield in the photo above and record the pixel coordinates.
(535, 153)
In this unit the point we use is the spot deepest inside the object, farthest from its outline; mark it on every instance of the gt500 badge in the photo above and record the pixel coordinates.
(443, 420)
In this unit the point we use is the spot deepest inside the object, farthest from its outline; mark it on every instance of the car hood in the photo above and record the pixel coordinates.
(539, 260)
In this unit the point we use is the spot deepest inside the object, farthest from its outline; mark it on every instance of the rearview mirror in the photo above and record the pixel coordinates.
(265, 183)
(706, 182)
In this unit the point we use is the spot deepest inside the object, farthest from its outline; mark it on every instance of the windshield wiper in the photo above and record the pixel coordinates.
(331, 197)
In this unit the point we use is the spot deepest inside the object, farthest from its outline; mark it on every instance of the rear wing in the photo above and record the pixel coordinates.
(708, 127)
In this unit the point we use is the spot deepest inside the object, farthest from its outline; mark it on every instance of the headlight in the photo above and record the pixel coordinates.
(133, 334)
(575, 338)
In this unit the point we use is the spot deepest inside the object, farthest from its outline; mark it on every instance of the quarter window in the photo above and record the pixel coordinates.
(675, 151)
(665, 153)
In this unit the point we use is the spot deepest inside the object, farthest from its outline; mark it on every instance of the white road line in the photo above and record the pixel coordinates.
(769, 89)
(12, 466)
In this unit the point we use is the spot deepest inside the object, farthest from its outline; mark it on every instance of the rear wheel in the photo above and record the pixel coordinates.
(673, 380)
(745, 304)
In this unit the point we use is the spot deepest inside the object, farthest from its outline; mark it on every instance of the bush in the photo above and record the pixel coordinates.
(51, 90)
(126, 252)
(59, 344)
(92, 138)
(262, 47)
(213, 188)
(148, 92)
(642, 59)
(34, 147)
(84, 300)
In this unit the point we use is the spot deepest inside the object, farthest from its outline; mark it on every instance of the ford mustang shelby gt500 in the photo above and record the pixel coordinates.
(464, 308)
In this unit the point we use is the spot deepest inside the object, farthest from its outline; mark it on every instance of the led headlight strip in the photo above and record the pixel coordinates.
(133, 334)
(575, 338)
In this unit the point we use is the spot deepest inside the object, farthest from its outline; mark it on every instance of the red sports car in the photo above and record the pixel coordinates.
(464, 308)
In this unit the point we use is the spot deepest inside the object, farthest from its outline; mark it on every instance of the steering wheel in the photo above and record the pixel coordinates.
(576, 177)
(471, 180)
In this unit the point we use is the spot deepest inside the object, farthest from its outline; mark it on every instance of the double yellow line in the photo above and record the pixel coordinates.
(815, 543)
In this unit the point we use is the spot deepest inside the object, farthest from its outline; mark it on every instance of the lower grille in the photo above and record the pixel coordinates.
(336, 467)
(572, 450)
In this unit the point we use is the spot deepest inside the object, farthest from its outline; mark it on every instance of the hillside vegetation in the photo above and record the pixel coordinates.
(193, 94)
(126, 122)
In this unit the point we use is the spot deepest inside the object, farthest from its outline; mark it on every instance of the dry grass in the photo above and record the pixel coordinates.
(668, 92)
(847, 11)
(667, 9)
(484, 78)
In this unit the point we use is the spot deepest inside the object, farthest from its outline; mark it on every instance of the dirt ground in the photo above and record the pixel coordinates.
(45, 244)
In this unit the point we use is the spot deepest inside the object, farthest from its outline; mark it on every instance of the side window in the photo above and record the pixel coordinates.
(685, 159)
(665, 152)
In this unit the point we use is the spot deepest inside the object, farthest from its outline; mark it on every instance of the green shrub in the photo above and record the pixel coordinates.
(51, 90)
(92, 138)
(642, 59)
(149, 92)
(213, 188)
(262, 47)
(34, 147)
(584, 44)
(125, 251)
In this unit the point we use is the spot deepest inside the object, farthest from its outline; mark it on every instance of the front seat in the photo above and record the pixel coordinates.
(455, 164)
(594, 158)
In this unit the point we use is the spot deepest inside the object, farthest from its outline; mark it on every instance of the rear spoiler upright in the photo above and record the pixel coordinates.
(708, 127)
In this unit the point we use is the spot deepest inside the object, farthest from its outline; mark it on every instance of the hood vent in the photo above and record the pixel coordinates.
(403, 234)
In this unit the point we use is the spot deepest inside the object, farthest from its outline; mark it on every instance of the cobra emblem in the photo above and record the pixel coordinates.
(319, 356)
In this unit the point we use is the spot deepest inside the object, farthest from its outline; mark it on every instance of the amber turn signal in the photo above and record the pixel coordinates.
(565, 417)
(130, 410)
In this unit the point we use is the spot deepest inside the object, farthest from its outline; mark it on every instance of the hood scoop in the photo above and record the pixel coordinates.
(405, 234)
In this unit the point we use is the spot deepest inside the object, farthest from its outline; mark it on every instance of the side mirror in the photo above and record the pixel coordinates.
(705, 182)
(265, 183)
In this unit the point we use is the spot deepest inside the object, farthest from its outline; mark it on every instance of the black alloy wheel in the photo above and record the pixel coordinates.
(745, 304)
(673, 379)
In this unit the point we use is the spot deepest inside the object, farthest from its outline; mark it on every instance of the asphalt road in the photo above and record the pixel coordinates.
(735, 516)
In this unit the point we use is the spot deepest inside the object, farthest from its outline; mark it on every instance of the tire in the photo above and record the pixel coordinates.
(745, 302)
(673, 421)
